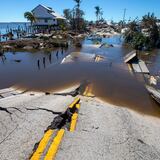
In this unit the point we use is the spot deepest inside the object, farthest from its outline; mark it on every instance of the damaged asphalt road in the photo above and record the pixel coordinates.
(108, 132)
(5, 110)
(42, 109)
(76, 91)
(23, 120)
(103, 131)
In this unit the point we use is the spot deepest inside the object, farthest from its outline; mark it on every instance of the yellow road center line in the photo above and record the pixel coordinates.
(89, 91)
(78, 106)
(42, 145)
(129, 66)
(73, 122)
(54, 146)
(86, 90)
(74, 102)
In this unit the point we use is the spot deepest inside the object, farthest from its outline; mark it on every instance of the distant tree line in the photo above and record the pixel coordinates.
(144, 34)
(75, 16)
(99, 14)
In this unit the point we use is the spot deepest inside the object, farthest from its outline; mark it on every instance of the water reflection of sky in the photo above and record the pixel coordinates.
(16, 66)
(114, 54)
(115, 40)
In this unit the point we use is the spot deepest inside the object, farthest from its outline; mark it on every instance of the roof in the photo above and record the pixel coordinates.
(130, 56)
(51, 11)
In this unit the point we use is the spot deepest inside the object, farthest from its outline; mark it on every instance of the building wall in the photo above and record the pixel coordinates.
(45, 21)
(43, 17)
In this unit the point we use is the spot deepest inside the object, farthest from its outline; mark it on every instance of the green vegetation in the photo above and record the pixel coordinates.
(99, 13)
(30, 17)
(144, 34)
(75, 17)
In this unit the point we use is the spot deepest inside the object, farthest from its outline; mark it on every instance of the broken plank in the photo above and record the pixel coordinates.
(143, 67)
(136, 68)
(130, 56)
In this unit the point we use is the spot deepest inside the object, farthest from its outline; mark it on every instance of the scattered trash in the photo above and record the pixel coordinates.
(153, 80)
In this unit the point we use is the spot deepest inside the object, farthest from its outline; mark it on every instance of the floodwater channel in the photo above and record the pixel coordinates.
(112, 82)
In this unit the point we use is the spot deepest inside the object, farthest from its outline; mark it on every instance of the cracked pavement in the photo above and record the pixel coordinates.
(107, 132)
(103, 131)
(29, 118)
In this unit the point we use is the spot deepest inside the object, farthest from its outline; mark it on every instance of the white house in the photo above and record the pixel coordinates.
(46, 16)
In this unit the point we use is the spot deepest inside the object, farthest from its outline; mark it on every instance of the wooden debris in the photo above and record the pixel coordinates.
(138, 65)
(155, 93)
(130, 56)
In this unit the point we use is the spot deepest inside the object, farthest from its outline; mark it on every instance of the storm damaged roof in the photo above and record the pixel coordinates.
(50, 11)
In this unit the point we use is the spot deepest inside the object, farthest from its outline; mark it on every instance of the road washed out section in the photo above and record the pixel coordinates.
(103, 131)
(49, 144)
(110, 78)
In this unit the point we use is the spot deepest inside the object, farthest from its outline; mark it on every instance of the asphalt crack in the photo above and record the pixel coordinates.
(8, 135)
(43, 109)
(5, 110)
(63, 120)
(15, 109)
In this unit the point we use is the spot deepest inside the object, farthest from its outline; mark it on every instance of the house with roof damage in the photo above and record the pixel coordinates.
(46, 16)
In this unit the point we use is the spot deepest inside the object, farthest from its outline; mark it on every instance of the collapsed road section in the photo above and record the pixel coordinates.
(47, 147)
(84, 89)
(103, 131)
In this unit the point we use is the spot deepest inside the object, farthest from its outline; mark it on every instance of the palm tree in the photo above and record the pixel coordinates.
(101, 15)
(98, 12)
(78, 3)
(67, 14)
(81, 13)
(30, 17)
(78, 14)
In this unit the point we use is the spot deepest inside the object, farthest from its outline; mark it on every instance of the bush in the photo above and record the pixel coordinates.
(141, 41)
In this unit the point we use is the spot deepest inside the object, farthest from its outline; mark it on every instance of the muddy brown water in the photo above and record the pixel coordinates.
(111, 80)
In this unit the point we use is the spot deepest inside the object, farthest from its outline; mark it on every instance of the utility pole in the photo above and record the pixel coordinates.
(124, 16)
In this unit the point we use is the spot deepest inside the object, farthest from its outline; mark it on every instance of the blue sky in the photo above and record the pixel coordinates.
(12, 10)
